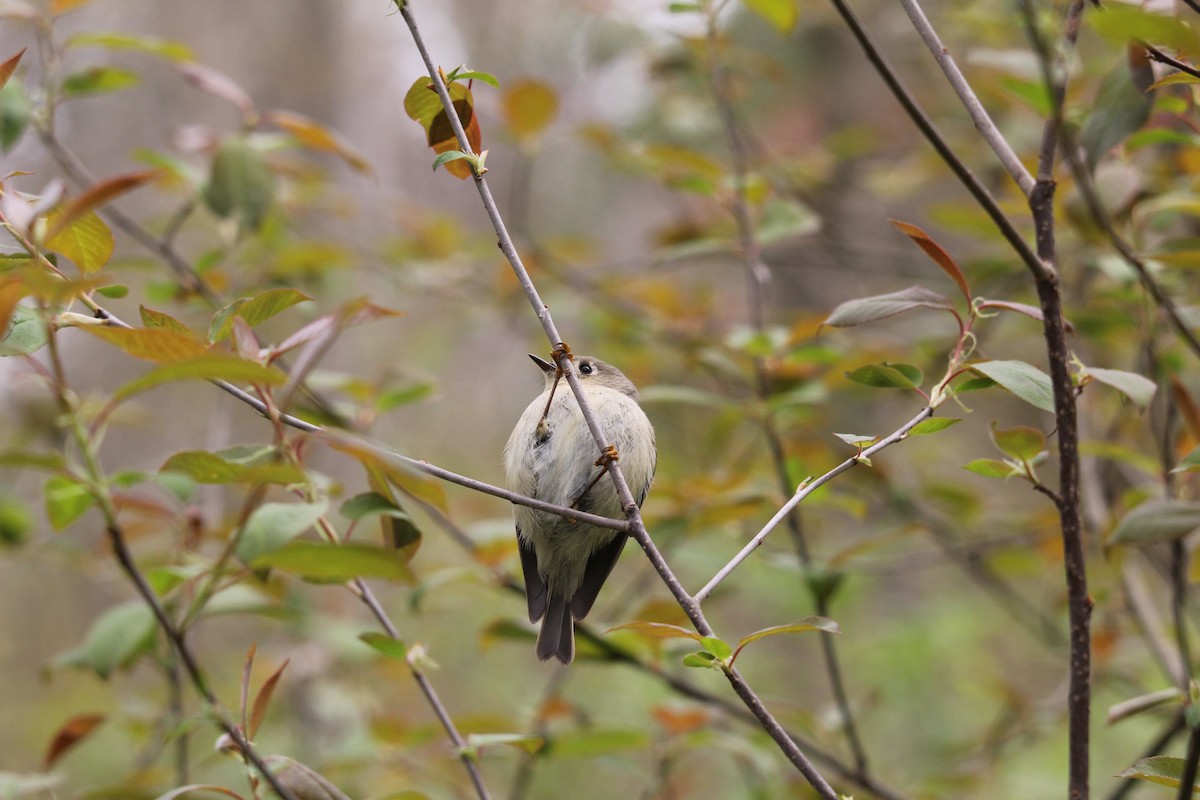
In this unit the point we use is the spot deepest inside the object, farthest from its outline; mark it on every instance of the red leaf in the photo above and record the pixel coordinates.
(935, 252)
(97, 196)
(73, 731)
(9, 67)
(263, 700)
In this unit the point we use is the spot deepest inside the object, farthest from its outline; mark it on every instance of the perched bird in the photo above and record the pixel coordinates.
(552, 456)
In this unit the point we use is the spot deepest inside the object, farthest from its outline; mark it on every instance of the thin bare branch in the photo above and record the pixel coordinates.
(979, 115)
(802, 492)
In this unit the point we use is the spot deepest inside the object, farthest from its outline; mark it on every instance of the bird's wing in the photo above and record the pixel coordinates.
(599, 567)
(535, 587)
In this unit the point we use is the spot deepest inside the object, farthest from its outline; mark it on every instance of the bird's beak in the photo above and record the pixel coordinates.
(545, 365)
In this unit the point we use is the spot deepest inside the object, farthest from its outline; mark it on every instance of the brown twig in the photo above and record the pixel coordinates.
(1079, 603)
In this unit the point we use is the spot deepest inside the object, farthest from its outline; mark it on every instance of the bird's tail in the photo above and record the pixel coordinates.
(557, 637)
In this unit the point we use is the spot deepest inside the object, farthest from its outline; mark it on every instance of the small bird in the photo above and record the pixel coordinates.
(552, 456)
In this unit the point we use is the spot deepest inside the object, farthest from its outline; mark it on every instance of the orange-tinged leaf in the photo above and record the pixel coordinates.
(161, 319)
(657, 630)
(9, 67)
(528, 107)
(73, 731)
(423, 105)
(262, 700)
(1188, 410)
(936, 253)
(315, 136)
(63, 6)
(87, 240)
(96, 196)
(11, 292)
(678, 721)
(153, 344)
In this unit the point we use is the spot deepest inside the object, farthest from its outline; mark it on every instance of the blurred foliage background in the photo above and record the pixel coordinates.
(609, 160)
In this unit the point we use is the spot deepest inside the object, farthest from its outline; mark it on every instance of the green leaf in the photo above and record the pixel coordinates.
(823, 582)
(1120, 108)
(172, 51)
(718, 647)
(392, 648)
(98, 80)
(394, 398)
(240, 184)
(448, 156)
(114, 291)
(657, 630)
(683, 395)
(991, 468)
(26, 333)
(272, 525)
(1024, 380)
(871, 309)
(786, 219)
(1137, 388)
(882, 376)
(475, 75)
(1021, 442)
(1163, 770)
(1157, 521)
(823, 624)
(701, 660)
(218, 366)
(15, 114)
(593, 743)
(369, 504)
(66, 500)
(117, 638)
(857, 439)
(974, 385)
(15, 522)
(205, 467)
(782, 15)
(255, 310)
(336, 563)
(520, 741)
(1129, 24)
(932, 425)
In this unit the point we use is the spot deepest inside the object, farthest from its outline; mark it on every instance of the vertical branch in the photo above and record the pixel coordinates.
(758, 277)
(1079, 603)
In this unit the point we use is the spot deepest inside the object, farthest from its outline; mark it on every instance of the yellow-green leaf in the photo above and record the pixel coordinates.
(657, 630)
(323, 562)
(205, 467)
(153, 344)
(86, 240)
(781, 14)
(528, 107)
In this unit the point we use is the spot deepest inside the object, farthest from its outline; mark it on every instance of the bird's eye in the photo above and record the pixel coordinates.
(585, 368)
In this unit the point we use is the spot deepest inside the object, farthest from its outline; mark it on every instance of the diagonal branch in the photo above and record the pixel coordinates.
(633, 514)
(802, 492)
(983, 122)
